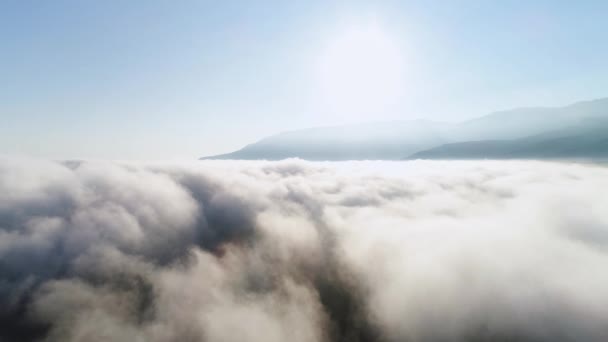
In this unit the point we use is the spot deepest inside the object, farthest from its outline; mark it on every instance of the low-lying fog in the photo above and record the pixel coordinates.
(302, 251)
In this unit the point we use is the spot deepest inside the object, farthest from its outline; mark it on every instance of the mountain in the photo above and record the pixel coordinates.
(585, 139)
(574, 130)
(386, 140)
(525, 122)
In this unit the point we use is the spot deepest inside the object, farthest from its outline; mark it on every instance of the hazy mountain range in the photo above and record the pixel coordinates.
(579, 130)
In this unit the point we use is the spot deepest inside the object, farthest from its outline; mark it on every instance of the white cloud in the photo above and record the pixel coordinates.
(292, 250)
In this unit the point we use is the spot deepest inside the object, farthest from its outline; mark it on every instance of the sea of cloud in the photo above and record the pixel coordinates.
(302, 251)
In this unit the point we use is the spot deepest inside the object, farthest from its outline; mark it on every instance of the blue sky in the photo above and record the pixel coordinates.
(182, 79)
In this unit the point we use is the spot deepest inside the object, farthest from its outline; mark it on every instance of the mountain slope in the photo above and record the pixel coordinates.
(388, 140)
(587, 139)
(509, 133)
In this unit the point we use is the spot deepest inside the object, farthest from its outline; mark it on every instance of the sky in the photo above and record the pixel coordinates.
(183, 79)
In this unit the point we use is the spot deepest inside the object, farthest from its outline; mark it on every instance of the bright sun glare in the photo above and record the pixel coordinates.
(361, 71)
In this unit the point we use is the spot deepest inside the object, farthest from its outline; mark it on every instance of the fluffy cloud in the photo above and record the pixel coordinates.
(299, 251)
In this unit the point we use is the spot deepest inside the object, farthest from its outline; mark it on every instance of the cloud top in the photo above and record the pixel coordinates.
(302, 251)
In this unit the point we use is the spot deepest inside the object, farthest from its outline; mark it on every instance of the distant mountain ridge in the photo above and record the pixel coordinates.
(577, 130)
(588, 139)
(385, 140)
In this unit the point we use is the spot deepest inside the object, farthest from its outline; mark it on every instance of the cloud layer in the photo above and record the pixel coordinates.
(300, 251)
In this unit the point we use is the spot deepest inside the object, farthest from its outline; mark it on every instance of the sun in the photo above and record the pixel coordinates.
(360, 71)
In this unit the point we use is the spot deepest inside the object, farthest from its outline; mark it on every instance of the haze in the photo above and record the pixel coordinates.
(166, 80)
(303, 171)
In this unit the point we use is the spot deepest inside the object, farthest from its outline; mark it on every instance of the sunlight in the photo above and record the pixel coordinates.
(361, 70)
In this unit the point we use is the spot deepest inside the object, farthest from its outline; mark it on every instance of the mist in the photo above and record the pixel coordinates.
(303, 251)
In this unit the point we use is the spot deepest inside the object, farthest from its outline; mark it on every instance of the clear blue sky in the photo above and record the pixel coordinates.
(182, 79)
